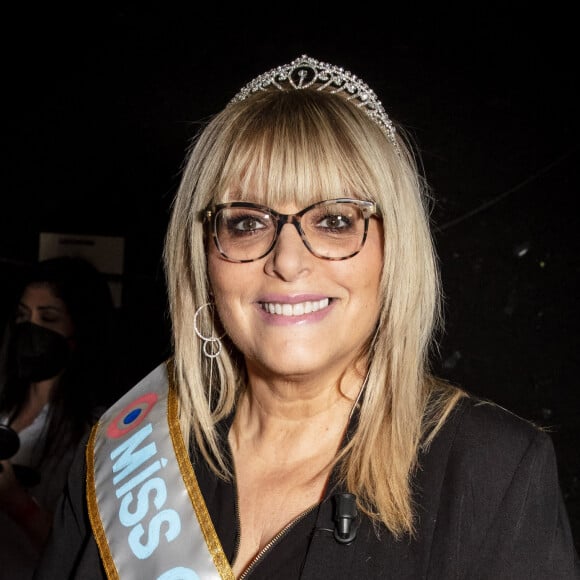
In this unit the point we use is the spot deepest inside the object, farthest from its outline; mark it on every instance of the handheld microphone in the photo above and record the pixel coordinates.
(345, 518)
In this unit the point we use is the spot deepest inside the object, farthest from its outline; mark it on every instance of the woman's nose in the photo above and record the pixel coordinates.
(35, 318)
(290, 257)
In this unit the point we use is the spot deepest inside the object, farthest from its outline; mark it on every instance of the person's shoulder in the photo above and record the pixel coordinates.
(482, 426)
(484, 447)
(480, 415)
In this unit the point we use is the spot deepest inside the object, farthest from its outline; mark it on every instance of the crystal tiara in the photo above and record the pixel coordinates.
(304, 72)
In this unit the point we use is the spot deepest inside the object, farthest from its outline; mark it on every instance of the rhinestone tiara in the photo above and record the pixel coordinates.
(304, 72)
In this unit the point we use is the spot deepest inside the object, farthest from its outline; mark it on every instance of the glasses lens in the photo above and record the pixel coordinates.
(244, 233)
(334, 230)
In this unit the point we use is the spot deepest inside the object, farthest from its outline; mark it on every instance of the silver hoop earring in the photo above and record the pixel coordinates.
(212, 345)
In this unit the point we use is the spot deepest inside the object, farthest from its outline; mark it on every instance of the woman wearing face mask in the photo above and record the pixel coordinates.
(54, 367)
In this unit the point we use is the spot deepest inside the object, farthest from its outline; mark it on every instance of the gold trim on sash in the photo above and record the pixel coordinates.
(191, 484)
(93, 509)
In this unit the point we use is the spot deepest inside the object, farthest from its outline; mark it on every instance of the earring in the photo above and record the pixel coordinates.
(212, 346)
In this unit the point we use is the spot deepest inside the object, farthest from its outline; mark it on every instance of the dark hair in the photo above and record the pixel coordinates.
(89, 381)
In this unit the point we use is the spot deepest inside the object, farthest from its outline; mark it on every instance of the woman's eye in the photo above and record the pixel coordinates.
(22, 314)
(334, 222)
(249, 224)
(49, 319)
(246, 224)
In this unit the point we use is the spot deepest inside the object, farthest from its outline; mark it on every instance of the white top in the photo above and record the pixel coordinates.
(29, 437)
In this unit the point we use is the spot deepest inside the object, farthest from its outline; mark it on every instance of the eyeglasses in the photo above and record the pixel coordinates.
(335, 229)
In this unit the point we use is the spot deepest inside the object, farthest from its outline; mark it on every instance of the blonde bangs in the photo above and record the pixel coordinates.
(296, 151)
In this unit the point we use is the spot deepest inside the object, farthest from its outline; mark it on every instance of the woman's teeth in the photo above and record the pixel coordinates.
(295, 309)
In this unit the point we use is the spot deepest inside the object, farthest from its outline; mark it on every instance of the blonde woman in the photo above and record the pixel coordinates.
(297, 431)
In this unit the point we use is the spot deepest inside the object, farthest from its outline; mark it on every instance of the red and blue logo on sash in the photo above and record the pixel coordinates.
(131, 416)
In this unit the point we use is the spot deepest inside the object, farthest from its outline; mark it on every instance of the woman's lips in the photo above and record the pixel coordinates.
(295, 309)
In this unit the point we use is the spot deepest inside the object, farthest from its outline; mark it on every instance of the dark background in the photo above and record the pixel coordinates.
(100, 106)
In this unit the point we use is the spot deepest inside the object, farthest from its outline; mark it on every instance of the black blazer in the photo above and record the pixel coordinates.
(489, 506)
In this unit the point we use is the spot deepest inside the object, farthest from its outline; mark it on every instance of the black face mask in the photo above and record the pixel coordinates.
(40, 353)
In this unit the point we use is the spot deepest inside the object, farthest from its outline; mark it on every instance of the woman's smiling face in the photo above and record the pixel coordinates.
(294, 315)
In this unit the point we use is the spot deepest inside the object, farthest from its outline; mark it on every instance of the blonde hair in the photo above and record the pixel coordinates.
(301, 146)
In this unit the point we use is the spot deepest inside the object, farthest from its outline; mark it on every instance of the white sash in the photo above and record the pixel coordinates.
(146, 510)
